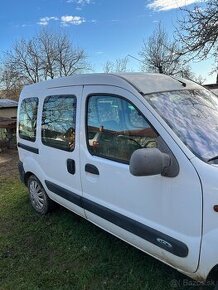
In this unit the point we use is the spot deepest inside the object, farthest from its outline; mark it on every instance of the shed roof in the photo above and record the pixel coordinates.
(7, 103)
(7, 123)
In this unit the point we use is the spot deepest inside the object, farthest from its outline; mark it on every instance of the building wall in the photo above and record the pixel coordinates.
(8, 112)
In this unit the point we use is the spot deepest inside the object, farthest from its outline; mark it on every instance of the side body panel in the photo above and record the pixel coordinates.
(167, 206)
(50, 164)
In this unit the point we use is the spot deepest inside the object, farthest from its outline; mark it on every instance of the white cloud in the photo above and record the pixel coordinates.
(79, 2)
(45, 20)
(74, 20)
(65, 20)
(163, 5)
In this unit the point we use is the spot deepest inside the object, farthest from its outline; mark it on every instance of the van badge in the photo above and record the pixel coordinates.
(164, 243)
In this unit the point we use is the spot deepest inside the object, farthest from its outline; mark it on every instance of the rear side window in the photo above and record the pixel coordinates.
(59, 121)
(28, 119)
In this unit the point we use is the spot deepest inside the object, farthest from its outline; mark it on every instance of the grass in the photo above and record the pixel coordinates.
(63, 251)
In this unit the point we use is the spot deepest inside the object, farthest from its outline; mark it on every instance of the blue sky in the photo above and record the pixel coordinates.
(105, 29)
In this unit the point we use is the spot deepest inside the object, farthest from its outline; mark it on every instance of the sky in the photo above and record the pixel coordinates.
(105, 29)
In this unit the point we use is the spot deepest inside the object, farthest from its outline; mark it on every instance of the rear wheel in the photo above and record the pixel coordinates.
(38, 197)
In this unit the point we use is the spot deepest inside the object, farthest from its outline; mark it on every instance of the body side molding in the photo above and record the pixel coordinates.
(147, 233)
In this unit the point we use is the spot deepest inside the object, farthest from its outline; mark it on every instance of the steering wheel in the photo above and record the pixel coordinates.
(129, 138)
(148, 142)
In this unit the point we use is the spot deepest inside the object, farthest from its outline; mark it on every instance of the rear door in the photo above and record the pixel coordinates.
(59, 146)
(157, 214)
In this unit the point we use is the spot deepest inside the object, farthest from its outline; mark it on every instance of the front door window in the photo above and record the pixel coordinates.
(116, 128)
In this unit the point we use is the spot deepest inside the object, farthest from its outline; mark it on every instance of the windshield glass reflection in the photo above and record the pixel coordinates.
(193, 116)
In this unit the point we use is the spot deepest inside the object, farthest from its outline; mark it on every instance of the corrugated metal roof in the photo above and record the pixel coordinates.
(6, 103)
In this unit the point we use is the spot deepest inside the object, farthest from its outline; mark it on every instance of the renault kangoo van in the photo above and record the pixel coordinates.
(136, 154)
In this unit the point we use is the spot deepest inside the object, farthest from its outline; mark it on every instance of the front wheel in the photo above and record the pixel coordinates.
(38, 197)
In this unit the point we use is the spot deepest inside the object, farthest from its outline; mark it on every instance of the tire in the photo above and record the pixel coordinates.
(38, 197)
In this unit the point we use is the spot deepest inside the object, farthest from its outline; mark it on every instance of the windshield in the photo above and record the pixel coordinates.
(193, 116)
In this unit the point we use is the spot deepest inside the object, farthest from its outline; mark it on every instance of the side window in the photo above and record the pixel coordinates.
(59, 121)
(28, 118)
(116, 128)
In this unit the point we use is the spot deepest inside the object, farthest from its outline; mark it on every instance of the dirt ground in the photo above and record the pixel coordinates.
(8, 164)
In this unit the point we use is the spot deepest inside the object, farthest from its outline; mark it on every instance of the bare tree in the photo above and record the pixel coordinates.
(108, 67)
(199, 79)
(11, 83)
(159, 54)
(70, 62)
(119, 65)
(198, 32)
(45, 56)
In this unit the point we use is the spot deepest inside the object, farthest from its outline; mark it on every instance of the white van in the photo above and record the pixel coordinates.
(136, 154)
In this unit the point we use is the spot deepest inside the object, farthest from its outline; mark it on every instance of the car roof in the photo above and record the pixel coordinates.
(144, 83)
(148, 83)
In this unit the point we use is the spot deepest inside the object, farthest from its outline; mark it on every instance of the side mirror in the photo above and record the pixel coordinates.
(151, 161)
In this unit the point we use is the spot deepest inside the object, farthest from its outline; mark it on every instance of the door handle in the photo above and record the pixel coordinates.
(91, 169)
(71, 167)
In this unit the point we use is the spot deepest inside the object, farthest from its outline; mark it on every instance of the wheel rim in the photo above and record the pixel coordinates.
(37, 195)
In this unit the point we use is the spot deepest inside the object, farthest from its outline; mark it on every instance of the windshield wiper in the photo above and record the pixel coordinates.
(213, 158)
